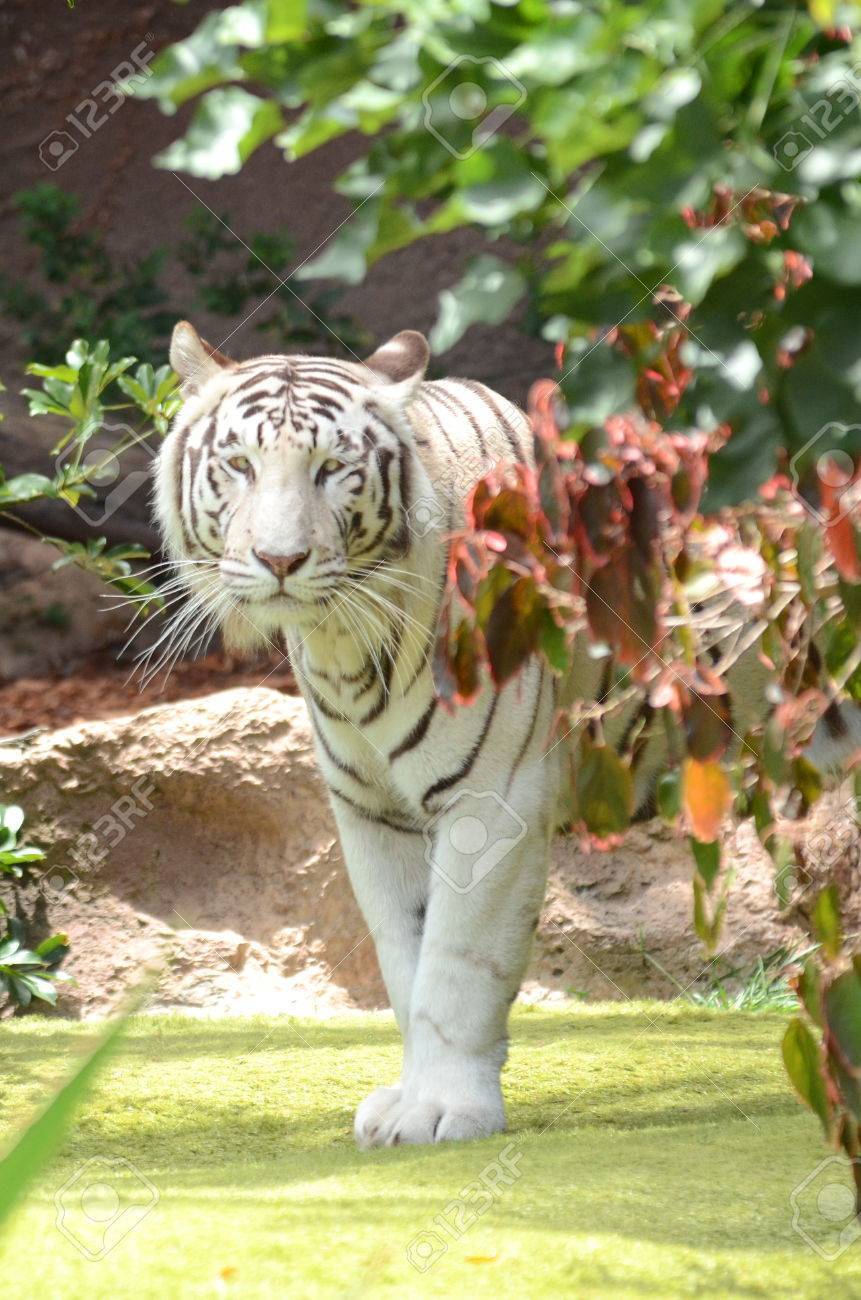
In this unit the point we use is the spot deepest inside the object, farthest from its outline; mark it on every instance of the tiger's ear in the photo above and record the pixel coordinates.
(401, 363)
(193, 359)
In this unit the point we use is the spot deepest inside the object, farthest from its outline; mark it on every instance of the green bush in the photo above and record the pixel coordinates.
(635, 146)
(25, 973)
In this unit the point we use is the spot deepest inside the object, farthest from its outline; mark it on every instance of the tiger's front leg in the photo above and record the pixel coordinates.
(488, 862)
(389, 876)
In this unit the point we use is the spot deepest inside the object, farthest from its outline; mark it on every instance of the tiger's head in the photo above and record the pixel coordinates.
(286, 478)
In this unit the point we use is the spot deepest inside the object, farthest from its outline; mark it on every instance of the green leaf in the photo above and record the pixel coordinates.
(486, 293)
(20, 991)
(498, 183)
(31, 1153)
(11, 817)
(803, 1062)
(345, 256)
(603, 790)
(707, 858)
(39, 987)
(190, 67)
(668, 793)
(825, 921)
(513, 628)
(228, 125)
(809, 990)
(26, 487)
(49, 947)
(554, 643)
(842, 1013)
(285, 20)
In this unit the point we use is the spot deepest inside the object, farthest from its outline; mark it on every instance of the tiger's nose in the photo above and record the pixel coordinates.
(282, 565)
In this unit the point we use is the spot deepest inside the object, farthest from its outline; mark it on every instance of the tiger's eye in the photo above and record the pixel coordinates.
(240, 463)
(330, 466)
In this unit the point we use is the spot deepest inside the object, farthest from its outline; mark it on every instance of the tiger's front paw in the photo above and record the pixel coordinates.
(395, 1116)
(373, 1116)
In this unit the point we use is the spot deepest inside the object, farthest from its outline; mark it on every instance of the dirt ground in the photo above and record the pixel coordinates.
(101, 688)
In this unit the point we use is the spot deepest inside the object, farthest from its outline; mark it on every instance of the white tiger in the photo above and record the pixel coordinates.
(310, 499)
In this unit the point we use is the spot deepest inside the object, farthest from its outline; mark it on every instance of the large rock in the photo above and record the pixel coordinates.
(199, 835)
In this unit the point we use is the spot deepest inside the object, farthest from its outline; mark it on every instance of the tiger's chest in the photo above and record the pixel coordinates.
(398, 756)
(376, 742)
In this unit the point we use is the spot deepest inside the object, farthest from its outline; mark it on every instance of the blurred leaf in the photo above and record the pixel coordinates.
(803, 1063)
(603, 791)
(707, 858)
(30, 1155)
(181, 71)
(668, 791)
(227, 126)
(707, 797)
(842, 1014)
(486, 293)
(514, 628)
(810, 990)
(621, 606)
(825, 920)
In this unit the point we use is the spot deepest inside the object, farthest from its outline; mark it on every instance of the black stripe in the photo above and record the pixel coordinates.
(425, 397)
(335, 388)
(432, 635)
(467, 765)
(507, 427)
(324, 708)
(328, 403)
(457, 404)
(334, 759)
(182, 449)
(389, 658)
(263, 377)
(384, 458)
(527, 739)
(311, 367)
(417, 734)
(380, 818)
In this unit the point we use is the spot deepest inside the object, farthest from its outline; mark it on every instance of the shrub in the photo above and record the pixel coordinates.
(622, 158)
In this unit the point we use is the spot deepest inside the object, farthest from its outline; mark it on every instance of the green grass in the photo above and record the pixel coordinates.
(657, 1148)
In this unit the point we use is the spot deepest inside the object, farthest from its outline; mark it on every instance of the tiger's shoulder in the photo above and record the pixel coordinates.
(463, 429)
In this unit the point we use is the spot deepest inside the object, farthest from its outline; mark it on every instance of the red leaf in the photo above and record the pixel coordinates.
(621, 606)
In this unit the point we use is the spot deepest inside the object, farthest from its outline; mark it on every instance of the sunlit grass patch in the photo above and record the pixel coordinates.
(653, 1150)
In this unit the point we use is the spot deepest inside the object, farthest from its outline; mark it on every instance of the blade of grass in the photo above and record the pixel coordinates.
(41, 1140)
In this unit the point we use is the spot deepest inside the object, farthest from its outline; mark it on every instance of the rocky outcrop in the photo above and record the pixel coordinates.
(198, 836)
